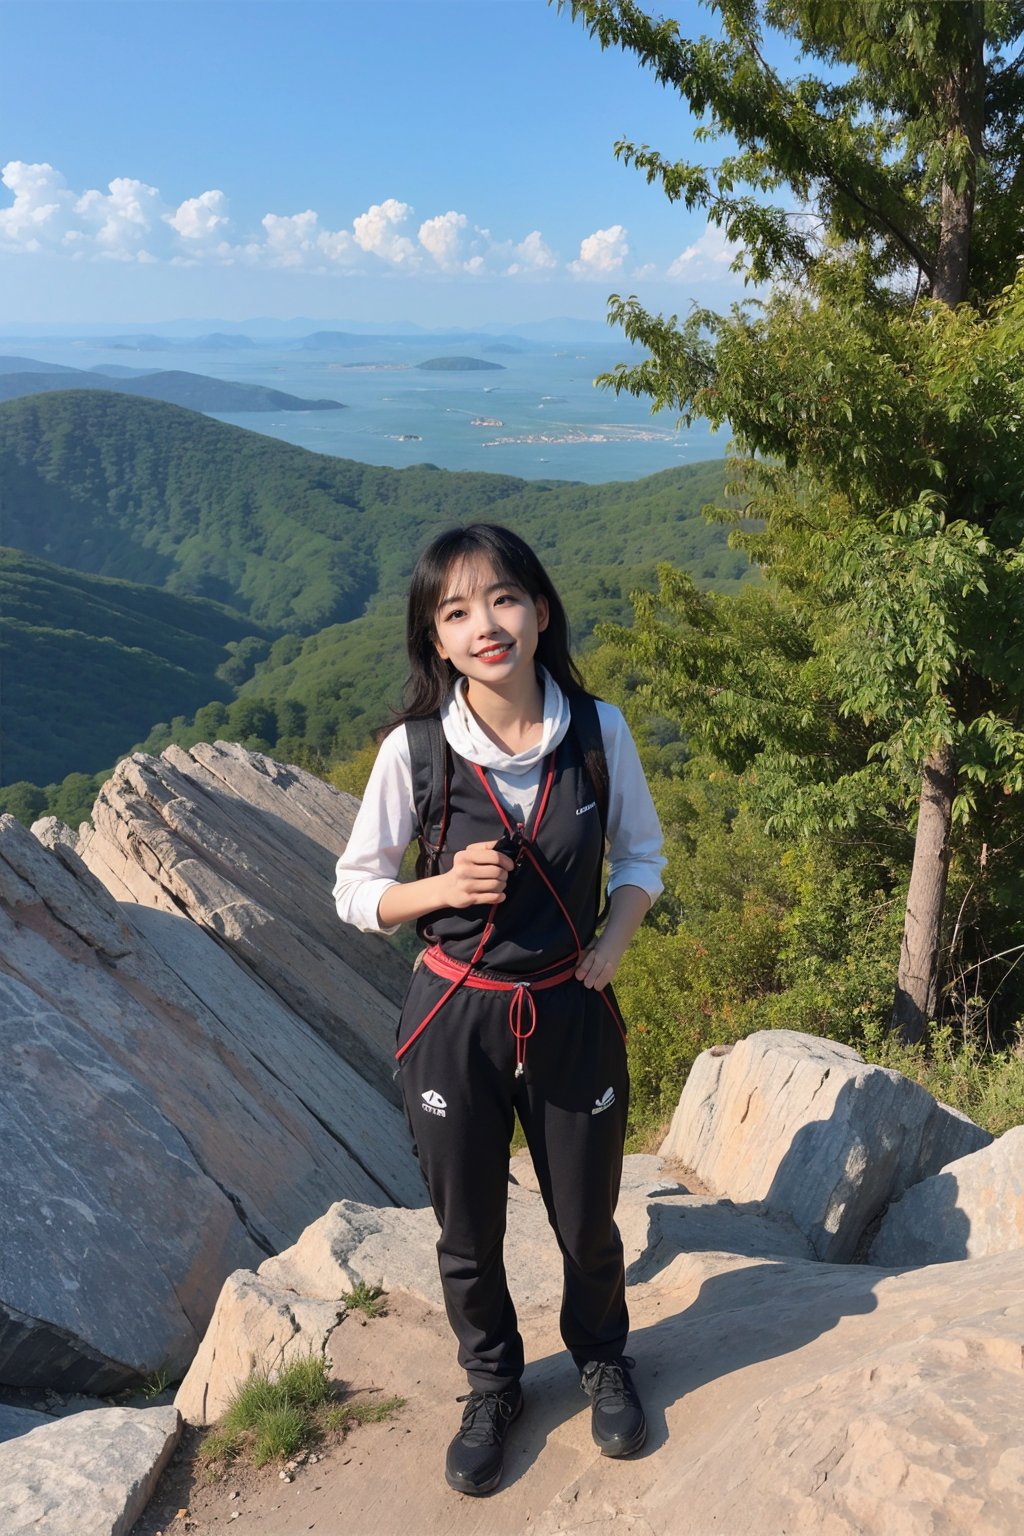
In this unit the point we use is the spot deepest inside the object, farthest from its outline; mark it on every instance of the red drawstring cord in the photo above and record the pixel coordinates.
(456, 984)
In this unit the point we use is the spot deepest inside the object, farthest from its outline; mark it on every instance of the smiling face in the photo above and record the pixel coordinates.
(487, 626)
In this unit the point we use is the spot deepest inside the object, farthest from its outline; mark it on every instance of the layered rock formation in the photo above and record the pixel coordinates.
(166, 1114)
(805, 1127)
(246, 848)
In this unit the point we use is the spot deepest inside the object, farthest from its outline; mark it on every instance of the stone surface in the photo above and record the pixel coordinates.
(164, 1119)
(259, 1319)
(18, 1421)
(246, 847)
(90, 1475)
(806, 1129)
(257, 1327)
(974, 1207)
(784, 1395)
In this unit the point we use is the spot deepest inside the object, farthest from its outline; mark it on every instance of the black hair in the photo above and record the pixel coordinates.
(431, 677)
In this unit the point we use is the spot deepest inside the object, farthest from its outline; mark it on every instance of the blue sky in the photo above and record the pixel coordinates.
(441, 161)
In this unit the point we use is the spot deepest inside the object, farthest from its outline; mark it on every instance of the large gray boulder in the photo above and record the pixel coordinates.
(974, 1207)
(164, 1118)
(246, 848)
(806, 1129)
(89, 1475)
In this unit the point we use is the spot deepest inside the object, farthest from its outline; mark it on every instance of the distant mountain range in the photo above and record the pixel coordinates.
(271, 331)
(21, 376)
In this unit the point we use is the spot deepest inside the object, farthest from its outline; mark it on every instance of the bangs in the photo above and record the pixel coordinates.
(470, 570)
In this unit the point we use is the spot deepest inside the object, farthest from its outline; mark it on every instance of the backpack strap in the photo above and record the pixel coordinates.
(587, 726)
(431, 762)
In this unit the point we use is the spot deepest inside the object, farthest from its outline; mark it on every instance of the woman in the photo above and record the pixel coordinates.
(511, 1010)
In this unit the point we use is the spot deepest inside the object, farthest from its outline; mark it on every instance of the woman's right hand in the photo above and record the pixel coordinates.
(478, 876)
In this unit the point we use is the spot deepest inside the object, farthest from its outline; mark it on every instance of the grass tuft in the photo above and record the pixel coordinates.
(340, 1415)
(275, 1419)
(366, 1298)
(279, 1434)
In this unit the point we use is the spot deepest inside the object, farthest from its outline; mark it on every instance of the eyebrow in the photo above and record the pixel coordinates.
(495, 586)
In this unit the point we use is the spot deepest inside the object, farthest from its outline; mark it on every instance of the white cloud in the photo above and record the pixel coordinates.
(337, 246)
(377, 231)
(42, 204)
(131, 221)
(710, 256)
(197, 218)
(121, 217)
(601, 253)
(533, 255)
(290, 238)
(441, 237)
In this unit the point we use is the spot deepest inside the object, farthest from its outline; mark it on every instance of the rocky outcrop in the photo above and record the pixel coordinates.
(973, 1208)
(246, 847)
(89, 1475)
(783, 1394)
(804, 1127)
(165, 1116)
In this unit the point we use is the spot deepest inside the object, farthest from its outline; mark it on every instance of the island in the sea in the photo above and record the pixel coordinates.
(460, 364)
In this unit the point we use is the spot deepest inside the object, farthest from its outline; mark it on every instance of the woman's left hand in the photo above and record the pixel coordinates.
(598, 964)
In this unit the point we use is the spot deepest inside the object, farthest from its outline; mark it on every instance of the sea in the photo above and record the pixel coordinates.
(539, 417)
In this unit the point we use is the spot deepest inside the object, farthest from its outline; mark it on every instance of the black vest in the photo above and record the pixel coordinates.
(530, 932)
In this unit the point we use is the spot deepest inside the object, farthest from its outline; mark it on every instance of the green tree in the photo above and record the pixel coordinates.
(876, 395)
(252, 720)
(24, 800)
(210, 721)
(74, 800)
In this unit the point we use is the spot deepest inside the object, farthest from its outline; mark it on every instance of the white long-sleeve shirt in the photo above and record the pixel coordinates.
(386, 822)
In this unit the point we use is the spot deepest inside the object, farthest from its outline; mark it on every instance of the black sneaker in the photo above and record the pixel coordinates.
(617, 1420)
(476, 1455)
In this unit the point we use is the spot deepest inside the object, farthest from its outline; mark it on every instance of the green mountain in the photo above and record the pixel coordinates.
(268, 569)
(150, 493)
(88, 663)
(194, 390)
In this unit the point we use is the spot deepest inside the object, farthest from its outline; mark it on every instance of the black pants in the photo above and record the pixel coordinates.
(461, 1095)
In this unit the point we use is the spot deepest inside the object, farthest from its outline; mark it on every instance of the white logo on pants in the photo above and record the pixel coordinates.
(606, 1101)
(433, 1102)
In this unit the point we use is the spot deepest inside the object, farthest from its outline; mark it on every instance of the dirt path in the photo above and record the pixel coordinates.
(387, 1479)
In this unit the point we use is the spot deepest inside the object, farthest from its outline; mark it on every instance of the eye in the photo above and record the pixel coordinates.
(455, 613)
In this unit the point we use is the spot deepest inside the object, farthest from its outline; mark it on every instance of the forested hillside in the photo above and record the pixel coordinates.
(147, 492)
(175, 386)
(309, 556)
(86, 660)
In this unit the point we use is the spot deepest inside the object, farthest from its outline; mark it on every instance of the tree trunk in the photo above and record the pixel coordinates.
(918, 983)
(917, 987)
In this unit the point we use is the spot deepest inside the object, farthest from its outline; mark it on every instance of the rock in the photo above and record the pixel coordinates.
(51, 831)
(974, 1207)
(256, 1327)
(90, 1475)
(293, 1303)
(18, 1421)
(246, 847)
(783, 1394)
(163, 1118)
(804, 1128)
